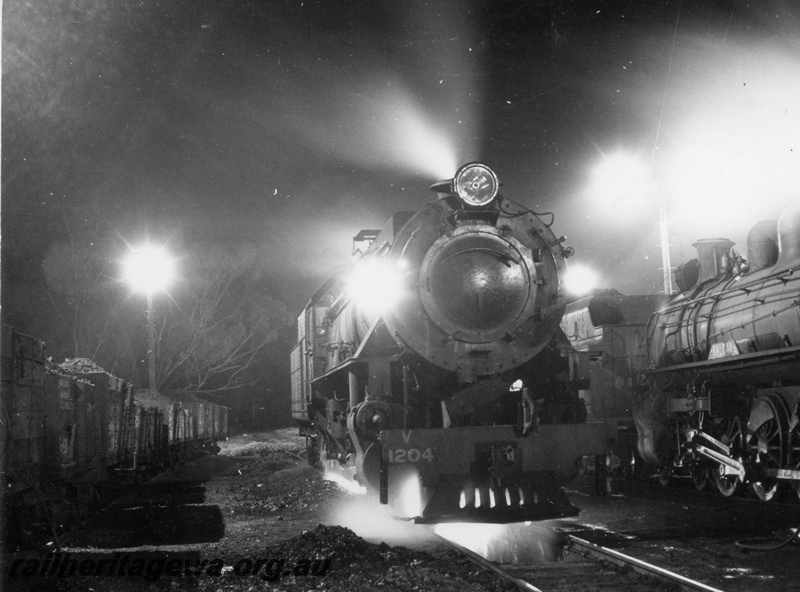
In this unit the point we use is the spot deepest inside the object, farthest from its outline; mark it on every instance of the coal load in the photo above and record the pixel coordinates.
(74, 366)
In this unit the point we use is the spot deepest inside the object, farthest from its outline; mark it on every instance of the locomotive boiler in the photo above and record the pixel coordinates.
(433, 373)
(723, 388)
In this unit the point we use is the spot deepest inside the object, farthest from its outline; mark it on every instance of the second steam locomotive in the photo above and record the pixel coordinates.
(705, 384)
(723, 387)
(434, 372)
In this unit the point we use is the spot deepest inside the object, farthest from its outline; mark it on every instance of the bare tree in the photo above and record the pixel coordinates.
(87, 302)
(212, 325)
(219, 322)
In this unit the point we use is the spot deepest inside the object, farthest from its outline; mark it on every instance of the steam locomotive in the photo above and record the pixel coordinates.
(722, 392)
(704, 385)
(433, 372)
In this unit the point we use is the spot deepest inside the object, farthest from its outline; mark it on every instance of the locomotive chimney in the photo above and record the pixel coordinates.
(710, 251)
(762, 245)
(789, 237)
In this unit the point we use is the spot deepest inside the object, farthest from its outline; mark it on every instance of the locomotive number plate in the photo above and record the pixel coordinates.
(412, 455)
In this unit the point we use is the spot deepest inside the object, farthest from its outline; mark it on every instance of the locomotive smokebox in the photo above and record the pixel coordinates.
(482, 287)
(475, 285)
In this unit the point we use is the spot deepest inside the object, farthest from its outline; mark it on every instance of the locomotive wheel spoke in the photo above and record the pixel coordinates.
(727, 485)
(796, 484)
(731, 429)
(766, 489)
(769, 442)
(700, 478)
(795, 457)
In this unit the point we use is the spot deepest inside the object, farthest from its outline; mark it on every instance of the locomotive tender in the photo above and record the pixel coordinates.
(433, 371)
(722, 390)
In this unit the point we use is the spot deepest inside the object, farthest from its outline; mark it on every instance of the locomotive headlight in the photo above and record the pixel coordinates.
(375, 285)
(476, 184)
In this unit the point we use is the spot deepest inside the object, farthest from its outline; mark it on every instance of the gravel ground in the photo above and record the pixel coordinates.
(257, 517)
(253, 517)
(702, 536)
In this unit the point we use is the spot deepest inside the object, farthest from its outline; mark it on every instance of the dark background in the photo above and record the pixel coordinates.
(285, 127)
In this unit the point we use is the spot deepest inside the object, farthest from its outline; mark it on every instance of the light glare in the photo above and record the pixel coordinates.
(348, 484)
(375, 285)
(409, 503)
(387, 126)
(623, 186)
(515, 544)
(735, 149)
(580, 279)
(374, 522)
(477, 537)
(148, 268)
(732, 156)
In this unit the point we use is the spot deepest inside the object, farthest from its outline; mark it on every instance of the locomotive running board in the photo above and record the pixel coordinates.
(488, 474)
(741, 362)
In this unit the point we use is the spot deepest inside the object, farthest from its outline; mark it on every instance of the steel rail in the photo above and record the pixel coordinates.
(637, 565)
(485, 563)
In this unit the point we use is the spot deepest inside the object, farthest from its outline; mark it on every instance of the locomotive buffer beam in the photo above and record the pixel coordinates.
(487, 474)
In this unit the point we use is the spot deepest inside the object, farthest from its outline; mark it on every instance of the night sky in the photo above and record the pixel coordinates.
(291, 125)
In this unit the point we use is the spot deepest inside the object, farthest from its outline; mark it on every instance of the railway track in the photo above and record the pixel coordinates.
(589, 549)
(490, 565)
(606, 569)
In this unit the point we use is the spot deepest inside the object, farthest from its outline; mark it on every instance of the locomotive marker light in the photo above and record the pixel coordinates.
(149, 269)
(580, 279)
(376, 285)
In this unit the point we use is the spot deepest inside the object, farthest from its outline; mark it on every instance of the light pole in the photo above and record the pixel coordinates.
(149, 269)
(663, 230)
(151, 343)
